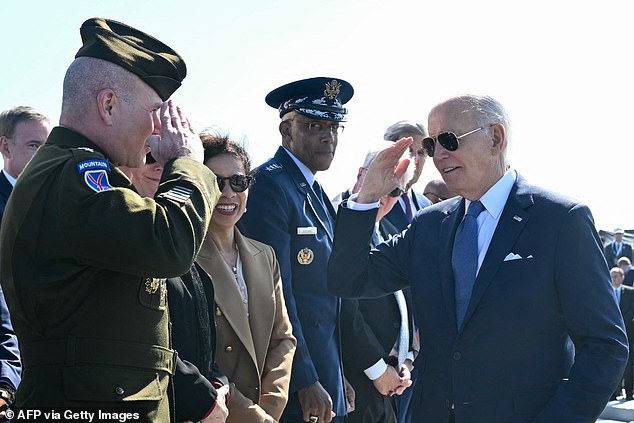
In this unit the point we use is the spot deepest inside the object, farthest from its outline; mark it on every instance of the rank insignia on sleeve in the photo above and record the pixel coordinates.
(97, 180)
(305, 256)
(273, 166)
(179, 194)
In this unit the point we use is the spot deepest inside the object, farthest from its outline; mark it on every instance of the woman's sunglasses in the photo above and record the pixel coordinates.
(448, 140)
(238, 183)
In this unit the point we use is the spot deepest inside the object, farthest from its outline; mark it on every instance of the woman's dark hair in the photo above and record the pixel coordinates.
(215, 145)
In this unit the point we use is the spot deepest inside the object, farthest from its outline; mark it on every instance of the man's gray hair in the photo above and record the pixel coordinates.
(487, 111)
(85, 77)
(395, 132)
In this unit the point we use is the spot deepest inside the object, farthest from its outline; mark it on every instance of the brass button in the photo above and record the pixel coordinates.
(218, 312)
(119, 390)
(228, 348)
(457, 355)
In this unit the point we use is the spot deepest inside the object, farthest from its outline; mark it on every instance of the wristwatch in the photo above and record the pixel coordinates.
(7, 396)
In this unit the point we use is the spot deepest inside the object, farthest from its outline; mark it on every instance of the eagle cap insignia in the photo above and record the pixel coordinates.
(332, 89)
(305, 256)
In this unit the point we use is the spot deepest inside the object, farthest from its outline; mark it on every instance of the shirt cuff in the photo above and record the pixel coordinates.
(353, 205)
(376, 370)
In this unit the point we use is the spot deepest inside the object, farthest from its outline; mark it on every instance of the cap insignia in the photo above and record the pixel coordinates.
(332, 89)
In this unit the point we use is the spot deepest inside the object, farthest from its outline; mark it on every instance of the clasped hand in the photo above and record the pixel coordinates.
(391, 382)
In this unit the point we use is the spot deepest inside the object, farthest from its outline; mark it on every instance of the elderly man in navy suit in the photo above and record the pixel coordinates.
(288, 210)
(515, 325)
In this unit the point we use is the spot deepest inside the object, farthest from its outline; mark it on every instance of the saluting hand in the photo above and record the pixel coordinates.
(177, 138)
(385, 173)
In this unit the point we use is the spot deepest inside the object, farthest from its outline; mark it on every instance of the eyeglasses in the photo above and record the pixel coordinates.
(448, 140)
(149, 159)
(319, 127)
(238, 183)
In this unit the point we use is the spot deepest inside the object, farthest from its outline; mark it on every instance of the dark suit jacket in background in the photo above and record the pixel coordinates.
(627, 310)
(10, 365)
(397, 217)
(190, 299)
(514, 358)
(369, 329)
(280, 204)
(5, 191)
(629, 276)
(611, 257)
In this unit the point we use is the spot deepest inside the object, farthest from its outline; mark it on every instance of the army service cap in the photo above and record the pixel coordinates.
(320, 98)
(154, 62)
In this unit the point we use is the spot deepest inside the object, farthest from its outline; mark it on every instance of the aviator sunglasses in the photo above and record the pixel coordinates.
(448, 140)
(238, 183)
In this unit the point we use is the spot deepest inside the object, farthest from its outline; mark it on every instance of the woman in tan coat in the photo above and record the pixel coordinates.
(254, 341)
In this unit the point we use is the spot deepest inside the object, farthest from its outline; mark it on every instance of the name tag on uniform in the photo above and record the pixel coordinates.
(308, 230)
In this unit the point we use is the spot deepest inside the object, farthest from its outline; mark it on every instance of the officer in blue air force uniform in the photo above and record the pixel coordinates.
(289, 211)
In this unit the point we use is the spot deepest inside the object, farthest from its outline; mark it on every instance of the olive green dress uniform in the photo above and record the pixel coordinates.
(82, 262)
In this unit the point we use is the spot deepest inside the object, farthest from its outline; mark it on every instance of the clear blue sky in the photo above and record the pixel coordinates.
(562, 69)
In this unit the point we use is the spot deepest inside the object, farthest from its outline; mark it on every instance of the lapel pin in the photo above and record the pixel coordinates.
(516, 217)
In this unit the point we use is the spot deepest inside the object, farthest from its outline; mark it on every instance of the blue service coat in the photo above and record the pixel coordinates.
(542, 340)
(284, 212)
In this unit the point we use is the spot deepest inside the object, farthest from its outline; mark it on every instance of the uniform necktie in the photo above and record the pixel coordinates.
(408, 207)
(403, 336)
(322, 198)
(464, 259)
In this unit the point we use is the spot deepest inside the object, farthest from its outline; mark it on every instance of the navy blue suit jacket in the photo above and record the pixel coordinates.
(280, 205)
(10, 366)
(5, 191)
(542, 340)
(611, 256)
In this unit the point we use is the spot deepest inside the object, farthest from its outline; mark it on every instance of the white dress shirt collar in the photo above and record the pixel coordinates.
(495, 198)
(10, 178)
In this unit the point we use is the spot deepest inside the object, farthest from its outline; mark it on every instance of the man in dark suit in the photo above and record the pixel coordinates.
(515, 325)
(628, 270)
(22, 131)
(288, 210)
(625, 297)
(617, 249)
(411, 200)
(371, 331)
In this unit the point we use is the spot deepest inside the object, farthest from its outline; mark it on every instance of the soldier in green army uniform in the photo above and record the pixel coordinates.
(83, 257)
